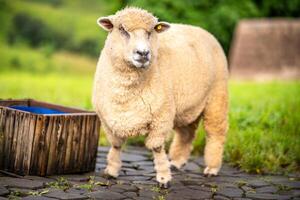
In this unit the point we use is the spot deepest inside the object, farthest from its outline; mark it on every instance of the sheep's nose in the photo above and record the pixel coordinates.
(143, 53)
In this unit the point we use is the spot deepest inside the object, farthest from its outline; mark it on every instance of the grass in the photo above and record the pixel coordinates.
(43, 60)
(70, 90)
(264, 117)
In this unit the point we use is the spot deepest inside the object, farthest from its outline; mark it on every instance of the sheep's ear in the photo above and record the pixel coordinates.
(105, 23)
(161, 27)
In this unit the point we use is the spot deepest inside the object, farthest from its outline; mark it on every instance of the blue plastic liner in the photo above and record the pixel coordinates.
(37, 110)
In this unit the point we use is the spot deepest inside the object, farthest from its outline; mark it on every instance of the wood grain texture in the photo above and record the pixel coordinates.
(34, 144)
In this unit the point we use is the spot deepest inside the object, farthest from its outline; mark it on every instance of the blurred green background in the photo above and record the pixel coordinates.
(49, 51)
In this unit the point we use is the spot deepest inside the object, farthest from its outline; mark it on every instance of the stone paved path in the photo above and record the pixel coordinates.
(137, 181)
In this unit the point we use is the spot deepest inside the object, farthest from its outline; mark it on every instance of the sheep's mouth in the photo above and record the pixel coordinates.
(139, 64)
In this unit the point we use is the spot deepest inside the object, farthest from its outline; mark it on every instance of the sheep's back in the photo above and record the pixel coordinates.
(191, 60)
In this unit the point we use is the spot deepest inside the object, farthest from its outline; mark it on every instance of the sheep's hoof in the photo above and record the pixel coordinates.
(163, 178)
(208, 172)
(110, 174)
(164, 185)
(178, 163)
(176, 169)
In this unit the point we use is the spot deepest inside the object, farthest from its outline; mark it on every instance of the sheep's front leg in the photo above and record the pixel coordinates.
(161, 162)
(114, 162)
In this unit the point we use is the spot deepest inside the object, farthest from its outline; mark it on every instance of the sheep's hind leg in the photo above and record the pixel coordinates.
(161, 161)
(181, 146)
(215, 125)
(114, 162)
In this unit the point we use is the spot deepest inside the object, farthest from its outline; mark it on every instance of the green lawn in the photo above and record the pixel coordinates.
(264, 117)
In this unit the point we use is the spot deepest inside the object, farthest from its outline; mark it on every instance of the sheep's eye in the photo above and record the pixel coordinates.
(122, 30)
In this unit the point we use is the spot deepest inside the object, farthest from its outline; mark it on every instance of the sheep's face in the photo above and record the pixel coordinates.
(133, 36)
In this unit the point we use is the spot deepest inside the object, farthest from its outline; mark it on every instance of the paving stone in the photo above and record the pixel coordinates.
(148, 194)
(219, 197)
(143, 163)
(99, 167)
(192, 194)
(276, 179)
(199, 161)
(143, 198)
(257, 183)
(190, 166)
(59, 194)
(132, 157)
(100, 179)
(146, 168)
(248, 189)
(130, 194)
(134, 173)
(36, 198)
(72, 177)
(191, 182)
(295, 193)
(122, 187)
(265, 196)
(138, 150)
(192, 175)
(39, 178)
(267, 189)
(105, 195)
(77, 190)
(20, 183)
(230, 192)
(103, 149)
(148, 182)
(128, 169)
(291, 184)
(3, 198)
(3, 191)
(226, 179)
(174, 196)
(20, 190)
(134, 178)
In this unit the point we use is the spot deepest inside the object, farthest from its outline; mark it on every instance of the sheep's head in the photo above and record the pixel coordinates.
(133, 36)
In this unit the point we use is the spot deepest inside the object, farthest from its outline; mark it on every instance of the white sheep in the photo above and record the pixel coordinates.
(153, 77)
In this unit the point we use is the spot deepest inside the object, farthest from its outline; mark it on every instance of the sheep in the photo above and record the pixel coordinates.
(154, 77)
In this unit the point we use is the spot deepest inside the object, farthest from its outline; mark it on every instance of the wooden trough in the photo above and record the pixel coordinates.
(47, 144)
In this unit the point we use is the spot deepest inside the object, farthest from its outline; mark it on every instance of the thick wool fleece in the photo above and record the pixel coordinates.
(186, 80)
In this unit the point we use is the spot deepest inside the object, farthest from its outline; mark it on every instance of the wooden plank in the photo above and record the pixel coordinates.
(52, 147)
(44, 148)
(69, 145)
(19, 149)
(79, 136)
(82, 143)
(75, 145)
(95, 140)
(14, 129)
(58, 135)
(29, 141)
(7, 103)
(91, 145)
(36, 144)
(87, 143)
(2, 137)
(8, 138)
(63, 145)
